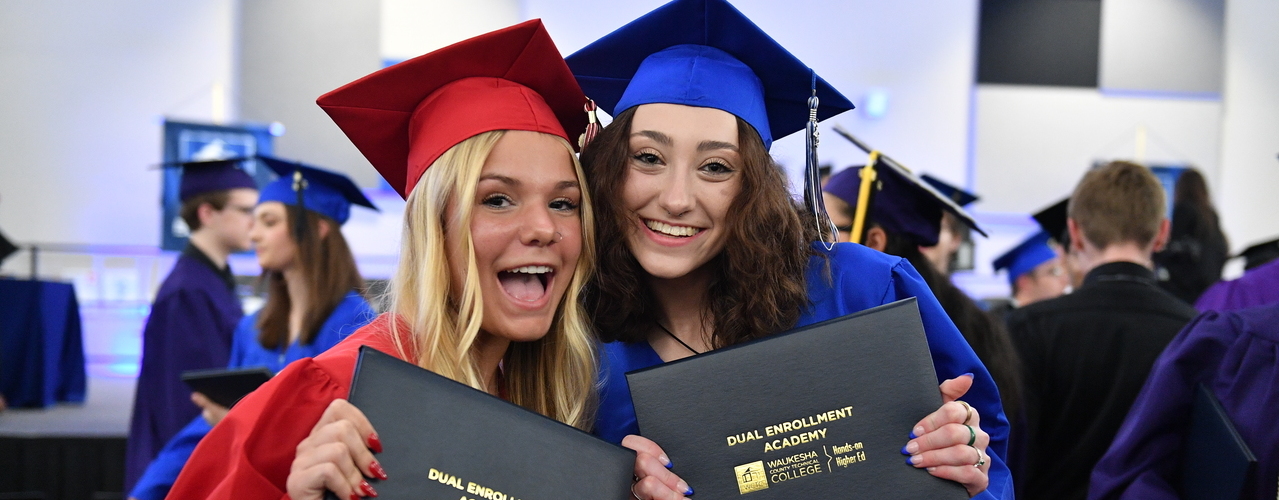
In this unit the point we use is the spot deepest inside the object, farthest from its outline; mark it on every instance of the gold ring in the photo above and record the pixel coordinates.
(968, 418)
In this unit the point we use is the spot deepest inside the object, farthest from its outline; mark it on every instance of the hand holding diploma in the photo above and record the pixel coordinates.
(653, 478)
(212, 412)
(950, 443)
(337, 456)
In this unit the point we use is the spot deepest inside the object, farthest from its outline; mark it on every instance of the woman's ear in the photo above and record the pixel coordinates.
(876, 238)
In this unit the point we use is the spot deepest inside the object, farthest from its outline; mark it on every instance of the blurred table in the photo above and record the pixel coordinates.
(41, 351)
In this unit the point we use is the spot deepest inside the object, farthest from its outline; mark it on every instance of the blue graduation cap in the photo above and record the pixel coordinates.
(704, 53)
(1026, 256)
(900, 202)
(321, 191)
(959, 196)
(199, 177)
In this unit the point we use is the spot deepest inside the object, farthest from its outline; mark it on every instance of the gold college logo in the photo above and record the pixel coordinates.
(751, 477)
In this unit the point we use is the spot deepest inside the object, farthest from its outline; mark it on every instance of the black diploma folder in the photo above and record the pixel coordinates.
(1217, 461)
(818, 412)
(226, 386)
(443, 440)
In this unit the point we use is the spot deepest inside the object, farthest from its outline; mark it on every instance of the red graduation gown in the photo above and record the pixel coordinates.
(249, 453)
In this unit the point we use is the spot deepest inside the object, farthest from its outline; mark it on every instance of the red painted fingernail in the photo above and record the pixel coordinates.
(355, 496)
(375, 444)
(368, 489)
(376, 468)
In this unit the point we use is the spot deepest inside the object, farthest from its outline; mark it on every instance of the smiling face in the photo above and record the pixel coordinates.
(683, 174)
(527, 234)
(274, 245)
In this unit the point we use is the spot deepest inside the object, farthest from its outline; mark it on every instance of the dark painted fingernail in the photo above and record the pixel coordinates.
(665, 461)
(904, 452)
(377, 470)
(375, 444)
(912, 435)
(969, 374)
(355, 496)
(908, 462)
(689, 491)
(368, 489)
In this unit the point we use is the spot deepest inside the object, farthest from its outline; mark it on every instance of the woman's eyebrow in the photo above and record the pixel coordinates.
(501, 178)
(661, 138)
(714, 145)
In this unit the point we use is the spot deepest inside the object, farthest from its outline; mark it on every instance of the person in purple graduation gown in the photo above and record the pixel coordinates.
(1258, 286)
(1236, 355)
(195, 310)
(314, 276)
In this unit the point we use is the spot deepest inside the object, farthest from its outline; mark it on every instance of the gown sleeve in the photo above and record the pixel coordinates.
(1144, 459)
(952, 357)
(163, 471)
(249, 453)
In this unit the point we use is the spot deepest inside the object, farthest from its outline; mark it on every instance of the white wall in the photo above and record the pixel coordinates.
(1248, 194)
(1162, 45)
(82, 94)
(411, 28)
(921, 52)
(293, 51)
(1034, 143)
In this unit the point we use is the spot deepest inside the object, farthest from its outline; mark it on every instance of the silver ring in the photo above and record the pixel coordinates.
(981, 457)
(633, 483)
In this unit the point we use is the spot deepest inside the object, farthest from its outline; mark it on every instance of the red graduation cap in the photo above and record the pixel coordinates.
(405, 116)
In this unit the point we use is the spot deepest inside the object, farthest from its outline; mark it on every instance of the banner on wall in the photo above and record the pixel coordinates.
(199, 142)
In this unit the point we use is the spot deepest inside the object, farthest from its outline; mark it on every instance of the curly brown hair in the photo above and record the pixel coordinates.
(759, 285)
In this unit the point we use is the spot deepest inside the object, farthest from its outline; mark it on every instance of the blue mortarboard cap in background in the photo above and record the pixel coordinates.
(1026, 256)
(704, 53)
(959, 196)
(324, 192)
(900, 202)
(200, 177)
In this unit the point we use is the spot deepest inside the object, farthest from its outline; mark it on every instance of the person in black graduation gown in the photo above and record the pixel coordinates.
(1087, 354)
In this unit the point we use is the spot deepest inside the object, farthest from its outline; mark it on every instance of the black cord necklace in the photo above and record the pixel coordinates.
(681, 342)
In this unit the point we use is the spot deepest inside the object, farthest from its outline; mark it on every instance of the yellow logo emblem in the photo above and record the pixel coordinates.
(751, 477)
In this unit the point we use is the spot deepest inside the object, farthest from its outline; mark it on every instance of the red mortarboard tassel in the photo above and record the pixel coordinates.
(592, 126)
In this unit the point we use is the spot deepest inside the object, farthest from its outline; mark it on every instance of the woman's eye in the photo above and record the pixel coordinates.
(563, 205)
(497, 201)
(646, 158)
(717, 168)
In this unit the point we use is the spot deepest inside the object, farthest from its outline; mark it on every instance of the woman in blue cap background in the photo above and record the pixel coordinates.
(313, 294)
(701, 246)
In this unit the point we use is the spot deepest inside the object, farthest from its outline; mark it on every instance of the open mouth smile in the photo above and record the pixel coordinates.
(527, 284)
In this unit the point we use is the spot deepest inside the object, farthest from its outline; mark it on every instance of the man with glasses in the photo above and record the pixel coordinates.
(196, 308)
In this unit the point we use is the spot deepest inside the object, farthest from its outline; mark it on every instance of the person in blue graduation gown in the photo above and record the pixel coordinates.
(1235, 354)
(314, 291)
(195, 309)
(701, 246)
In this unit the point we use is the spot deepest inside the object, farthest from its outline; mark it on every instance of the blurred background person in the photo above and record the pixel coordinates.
(313, 301)
(902, 217)
(1259, 284)
(1086, 355)
(195, 310)
(953, 250)
(1197, 249)
(1035, 273)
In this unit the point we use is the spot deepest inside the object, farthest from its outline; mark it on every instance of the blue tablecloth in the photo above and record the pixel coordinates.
(41, 351)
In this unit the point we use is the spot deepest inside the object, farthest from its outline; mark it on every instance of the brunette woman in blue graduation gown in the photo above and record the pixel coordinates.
(313, 289)
(701, 245)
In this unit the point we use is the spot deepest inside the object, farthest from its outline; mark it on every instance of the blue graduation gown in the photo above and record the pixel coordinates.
(1236, 355)
(861, 278)
(190, 327)
(349, 315)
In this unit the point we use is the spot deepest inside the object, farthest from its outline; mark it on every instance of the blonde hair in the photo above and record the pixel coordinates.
(554, 375)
